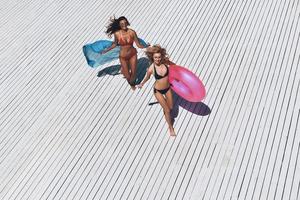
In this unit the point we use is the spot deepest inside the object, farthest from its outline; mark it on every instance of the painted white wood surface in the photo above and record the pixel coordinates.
(66, 133)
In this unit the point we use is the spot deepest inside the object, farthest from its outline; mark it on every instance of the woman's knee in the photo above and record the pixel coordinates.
(171, 106)
(167, 110)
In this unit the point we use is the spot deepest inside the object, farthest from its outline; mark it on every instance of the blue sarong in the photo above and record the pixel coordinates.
(94, 58)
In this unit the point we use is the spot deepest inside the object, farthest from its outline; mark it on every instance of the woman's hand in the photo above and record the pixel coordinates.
(140, 85)
(108, 48)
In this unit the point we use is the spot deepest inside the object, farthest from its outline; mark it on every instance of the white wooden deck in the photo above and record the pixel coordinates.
(70, 132)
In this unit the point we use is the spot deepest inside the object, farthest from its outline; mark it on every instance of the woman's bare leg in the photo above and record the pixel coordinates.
(163, 102)
(133, 68)
(125, 69)
(169, 99)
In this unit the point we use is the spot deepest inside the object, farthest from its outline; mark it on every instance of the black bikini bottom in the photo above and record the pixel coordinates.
(164, 91)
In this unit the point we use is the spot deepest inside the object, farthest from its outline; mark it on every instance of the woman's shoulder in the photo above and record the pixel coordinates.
(117, 32)
(131, 31)
(169, 62)
(151, 67)
(166, 64)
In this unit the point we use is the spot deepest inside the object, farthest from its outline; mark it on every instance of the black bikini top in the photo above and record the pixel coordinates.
(157, 76)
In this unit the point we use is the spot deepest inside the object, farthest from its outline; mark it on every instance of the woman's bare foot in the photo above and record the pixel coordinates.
(132, 84)
(172, 132)
(133, 87)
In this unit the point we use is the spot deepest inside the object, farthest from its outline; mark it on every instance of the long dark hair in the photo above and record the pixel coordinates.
(114, 25)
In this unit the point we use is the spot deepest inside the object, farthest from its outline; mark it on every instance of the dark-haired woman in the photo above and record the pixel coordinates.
(124, 37)
(162, 91)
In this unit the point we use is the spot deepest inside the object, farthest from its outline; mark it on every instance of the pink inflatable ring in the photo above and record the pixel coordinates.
(186, 84)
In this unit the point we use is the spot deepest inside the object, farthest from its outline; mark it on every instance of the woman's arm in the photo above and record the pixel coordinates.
(113, 45)
(136, 40)
(147, 77)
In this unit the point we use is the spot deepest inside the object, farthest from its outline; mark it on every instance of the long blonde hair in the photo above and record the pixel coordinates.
(157, 49)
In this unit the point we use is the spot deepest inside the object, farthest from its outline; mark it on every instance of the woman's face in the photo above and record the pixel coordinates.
(123, 24)
(157, 58)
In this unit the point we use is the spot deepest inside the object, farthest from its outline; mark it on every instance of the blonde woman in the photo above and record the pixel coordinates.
(162, 91)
